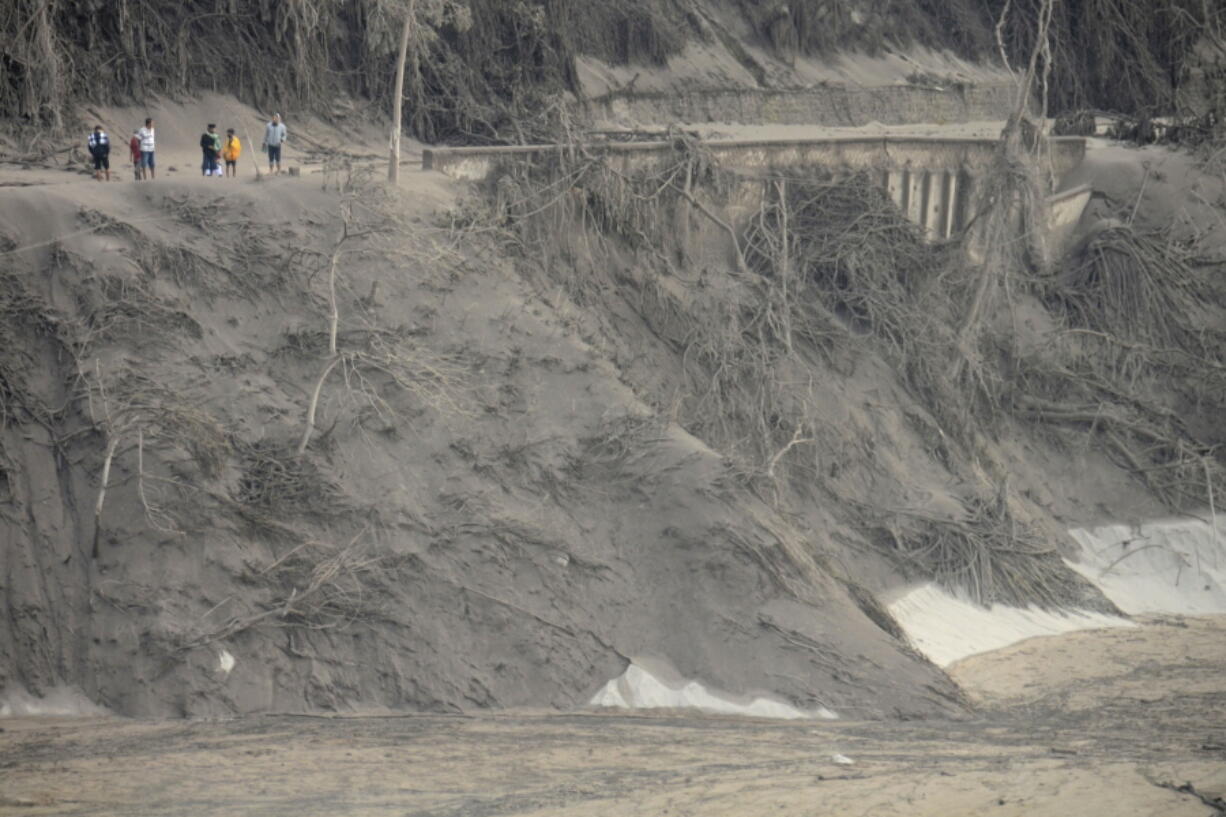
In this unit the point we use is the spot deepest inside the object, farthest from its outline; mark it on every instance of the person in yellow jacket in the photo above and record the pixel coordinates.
(230, 151)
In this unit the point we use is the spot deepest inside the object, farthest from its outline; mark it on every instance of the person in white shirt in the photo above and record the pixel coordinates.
(274, 138)
(147, 146)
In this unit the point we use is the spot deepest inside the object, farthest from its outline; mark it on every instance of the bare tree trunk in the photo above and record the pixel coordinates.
(111, 445)
(49, 65)
(309, 428)
(393, 167)
(334, 319)
(785, 267)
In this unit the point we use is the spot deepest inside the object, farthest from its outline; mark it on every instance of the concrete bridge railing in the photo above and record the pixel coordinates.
(931, 179)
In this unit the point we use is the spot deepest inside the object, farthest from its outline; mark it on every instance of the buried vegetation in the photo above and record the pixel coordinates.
(827, 275)
(114, 371)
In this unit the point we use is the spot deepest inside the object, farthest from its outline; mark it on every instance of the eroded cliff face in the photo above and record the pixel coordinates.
(486, 513)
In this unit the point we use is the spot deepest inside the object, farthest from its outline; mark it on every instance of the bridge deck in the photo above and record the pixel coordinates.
(931, 178)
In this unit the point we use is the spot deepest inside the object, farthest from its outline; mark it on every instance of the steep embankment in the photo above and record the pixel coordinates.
(925, 416)
(485, 513)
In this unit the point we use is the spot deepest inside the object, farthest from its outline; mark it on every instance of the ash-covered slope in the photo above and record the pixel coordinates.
(485, 514)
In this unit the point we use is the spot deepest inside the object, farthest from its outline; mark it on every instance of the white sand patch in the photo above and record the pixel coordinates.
(16, 702)
(947, 629)
(638, 688)
(1175, 566)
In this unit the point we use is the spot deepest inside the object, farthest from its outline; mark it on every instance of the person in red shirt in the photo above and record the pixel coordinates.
(134, 148)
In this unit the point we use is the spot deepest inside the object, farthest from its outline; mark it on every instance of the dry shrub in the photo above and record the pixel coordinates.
(113, 306)
(958, 372)
(117, 307)
(379, 368)
(187, 268)
(53, 50)
(128, 407)
(36, 85)
(875, 275)
(548, 466)
(317, 585)
(989, 555)
(1130, 421)
(867, 262)
(392, 362)
(1137, 288)
(302, 342)
(276, 482)
(194, 429)
(23, 315)
(249, 266)
(864, 272)
(614, 453)
(642, 32)
(324, 585)
(257, 261)
(1139, 343)
(129, 400)
(575, 188)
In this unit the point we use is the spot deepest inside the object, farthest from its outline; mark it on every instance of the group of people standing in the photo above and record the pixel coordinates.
(215, 152)
(142, 148)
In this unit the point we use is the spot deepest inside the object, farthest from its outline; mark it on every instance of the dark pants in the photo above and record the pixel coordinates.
(102, 163)
(274, 154)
